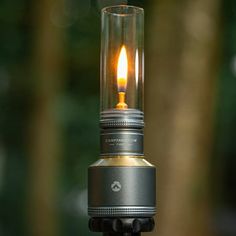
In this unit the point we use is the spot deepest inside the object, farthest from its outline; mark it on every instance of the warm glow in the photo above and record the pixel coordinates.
(122, 70)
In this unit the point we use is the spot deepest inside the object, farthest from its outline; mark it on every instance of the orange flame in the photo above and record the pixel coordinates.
(122, 70)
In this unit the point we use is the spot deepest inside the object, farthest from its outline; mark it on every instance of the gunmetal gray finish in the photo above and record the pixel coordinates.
(121, 132)
(122, 191)
(121, 142)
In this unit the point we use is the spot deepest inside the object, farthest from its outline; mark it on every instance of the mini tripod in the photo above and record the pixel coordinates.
(121, 226)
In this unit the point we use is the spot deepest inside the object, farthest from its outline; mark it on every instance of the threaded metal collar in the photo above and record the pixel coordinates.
(122, 118)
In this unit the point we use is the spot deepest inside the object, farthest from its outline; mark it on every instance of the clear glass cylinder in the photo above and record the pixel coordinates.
(122, 58)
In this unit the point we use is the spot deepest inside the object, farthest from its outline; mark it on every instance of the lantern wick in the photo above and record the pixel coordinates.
(121, 104)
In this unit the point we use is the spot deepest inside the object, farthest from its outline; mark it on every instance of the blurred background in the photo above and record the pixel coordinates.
(49, 114)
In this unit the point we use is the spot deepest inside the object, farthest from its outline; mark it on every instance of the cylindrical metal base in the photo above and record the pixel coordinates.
(122, 191)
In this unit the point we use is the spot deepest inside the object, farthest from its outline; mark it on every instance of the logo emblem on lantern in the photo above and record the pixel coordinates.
(116, 186)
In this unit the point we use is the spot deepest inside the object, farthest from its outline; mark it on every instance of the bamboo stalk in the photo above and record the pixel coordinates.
(181, 76)
(44, 131)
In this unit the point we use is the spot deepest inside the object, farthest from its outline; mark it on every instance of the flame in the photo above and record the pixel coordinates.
(122, 70)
